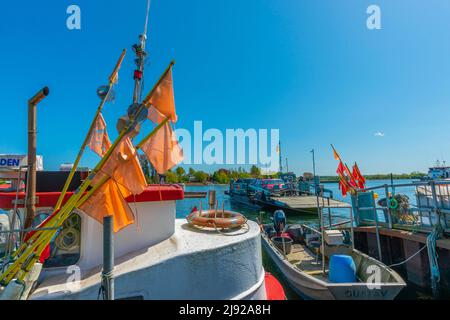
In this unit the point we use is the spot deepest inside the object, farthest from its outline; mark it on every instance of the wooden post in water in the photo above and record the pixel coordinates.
(31, 173)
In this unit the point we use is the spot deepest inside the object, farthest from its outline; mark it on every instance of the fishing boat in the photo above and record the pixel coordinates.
(295, 198)
(240, 193)
(339, 272)
(90, 236)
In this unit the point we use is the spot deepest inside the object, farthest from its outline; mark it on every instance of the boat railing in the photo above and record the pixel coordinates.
(431, 206)
(325, 194)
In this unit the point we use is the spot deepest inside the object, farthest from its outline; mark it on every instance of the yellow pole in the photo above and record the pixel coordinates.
(42, 238)
(112, 79)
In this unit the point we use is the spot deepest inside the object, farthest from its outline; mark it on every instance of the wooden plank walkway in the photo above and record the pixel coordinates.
(310, 202)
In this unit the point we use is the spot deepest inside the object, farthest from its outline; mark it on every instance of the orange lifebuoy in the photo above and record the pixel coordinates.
(216, 219)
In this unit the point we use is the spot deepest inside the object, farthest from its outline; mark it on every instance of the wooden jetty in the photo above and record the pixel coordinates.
(300, 204)
(194, 195)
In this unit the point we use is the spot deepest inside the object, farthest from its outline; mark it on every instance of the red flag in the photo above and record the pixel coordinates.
(358, 177)
(343, 188)
(340, 169)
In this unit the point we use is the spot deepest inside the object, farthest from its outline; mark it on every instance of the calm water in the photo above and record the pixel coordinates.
(185, 206)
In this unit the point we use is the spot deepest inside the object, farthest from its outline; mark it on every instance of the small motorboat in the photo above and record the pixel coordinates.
(338, 273)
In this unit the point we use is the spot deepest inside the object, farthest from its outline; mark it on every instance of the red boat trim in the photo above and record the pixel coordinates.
(274, 290)
(48, 199)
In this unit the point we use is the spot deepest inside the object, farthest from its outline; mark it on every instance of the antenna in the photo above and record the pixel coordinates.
(141, 54)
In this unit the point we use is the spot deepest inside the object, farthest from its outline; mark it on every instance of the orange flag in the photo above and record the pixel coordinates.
(99, 140)
(162, 149)
(109, 200)
(163, 98)
(124, 168)
(335, 154)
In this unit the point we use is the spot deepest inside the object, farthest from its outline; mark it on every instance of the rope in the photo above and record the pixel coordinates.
(105, 277)
(405, 261)
(233, 234)
(433, 258)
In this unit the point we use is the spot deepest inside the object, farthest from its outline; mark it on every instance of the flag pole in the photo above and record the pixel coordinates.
(74, 202)
(319, 211)
(340, 159)
(112, 79)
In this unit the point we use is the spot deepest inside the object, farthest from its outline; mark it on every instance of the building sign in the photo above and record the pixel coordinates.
(14, 162)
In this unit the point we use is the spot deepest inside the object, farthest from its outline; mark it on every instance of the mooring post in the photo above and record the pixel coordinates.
(352, 231)
(435, 204)
(108, 257)
(386, 191)
(31, 173)
(377, 229)
(211, 199)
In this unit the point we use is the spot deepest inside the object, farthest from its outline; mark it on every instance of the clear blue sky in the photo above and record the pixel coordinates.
(310, 68)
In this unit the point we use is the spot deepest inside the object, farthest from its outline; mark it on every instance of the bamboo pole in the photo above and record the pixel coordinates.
(112, 79)
(41, 239)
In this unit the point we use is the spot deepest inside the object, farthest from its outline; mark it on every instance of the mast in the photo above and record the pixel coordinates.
(280, 160)
(141, 54)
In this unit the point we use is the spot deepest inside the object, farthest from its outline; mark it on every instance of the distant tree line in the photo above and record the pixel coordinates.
(224, 176)
(221, 176)
(395, 176)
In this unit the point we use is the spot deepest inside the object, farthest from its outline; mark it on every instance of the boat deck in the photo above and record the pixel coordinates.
(310, 202)
(184, 266)
(303, 259)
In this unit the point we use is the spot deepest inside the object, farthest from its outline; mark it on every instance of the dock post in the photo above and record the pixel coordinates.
(386, 191)
(377, 229)
(31, 171)
(211, 199)
(352, 231)
(435, 204)
(108, 258)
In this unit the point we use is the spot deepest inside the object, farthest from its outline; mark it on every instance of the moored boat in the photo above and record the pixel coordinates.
(299, 258)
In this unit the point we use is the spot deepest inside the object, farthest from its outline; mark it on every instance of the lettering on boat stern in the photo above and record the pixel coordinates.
(363, 292)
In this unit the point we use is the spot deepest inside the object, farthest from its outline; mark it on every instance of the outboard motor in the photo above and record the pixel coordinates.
(279, 221)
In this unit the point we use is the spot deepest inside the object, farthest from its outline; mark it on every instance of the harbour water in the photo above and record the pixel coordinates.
(185, 206)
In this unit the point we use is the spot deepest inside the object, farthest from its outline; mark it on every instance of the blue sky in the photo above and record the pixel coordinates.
(310, 68)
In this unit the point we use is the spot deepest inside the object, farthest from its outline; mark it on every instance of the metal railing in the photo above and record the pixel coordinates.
(431, 207)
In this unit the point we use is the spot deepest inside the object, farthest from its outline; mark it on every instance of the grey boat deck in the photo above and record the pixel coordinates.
(303, 259)
(310, 202)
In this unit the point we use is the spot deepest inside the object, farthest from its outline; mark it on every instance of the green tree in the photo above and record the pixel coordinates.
(221, 177)
(255, 171)
(171, 177)
(201, 176)
(181, 173)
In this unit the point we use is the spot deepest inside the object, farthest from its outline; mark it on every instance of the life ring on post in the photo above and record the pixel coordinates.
(216, 219)
(393, 203)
